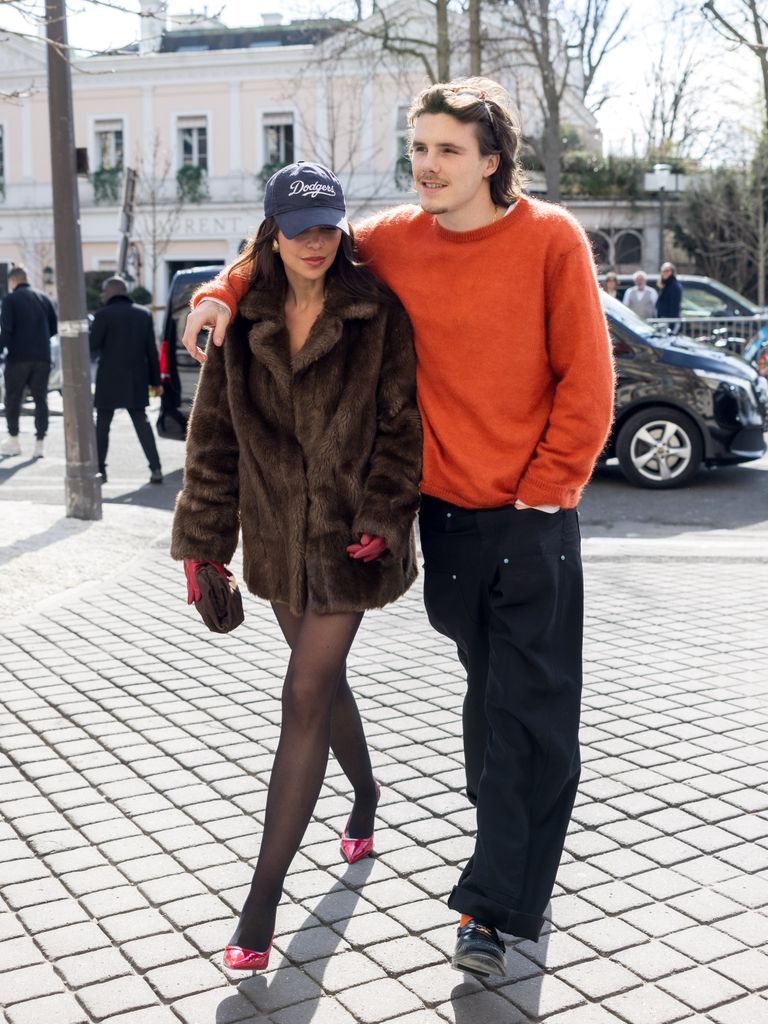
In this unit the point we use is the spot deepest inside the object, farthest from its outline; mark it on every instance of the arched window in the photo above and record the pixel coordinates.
(601, 247)
(629, 249)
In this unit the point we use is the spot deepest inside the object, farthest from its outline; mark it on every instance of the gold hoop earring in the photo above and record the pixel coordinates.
(275, 245)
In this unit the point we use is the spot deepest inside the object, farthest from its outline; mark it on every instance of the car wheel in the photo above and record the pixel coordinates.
(659, 447)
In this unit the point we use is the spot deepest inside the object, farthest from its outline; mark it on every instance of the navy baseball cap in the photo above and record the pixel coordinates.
(304, 195)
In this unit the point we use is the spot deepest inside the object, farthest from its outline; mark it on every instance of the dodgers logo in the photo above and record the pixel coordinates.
(313, 189)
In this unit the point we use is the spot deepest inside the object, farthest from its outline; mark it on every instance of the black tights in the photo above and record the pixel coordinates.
(319, 711)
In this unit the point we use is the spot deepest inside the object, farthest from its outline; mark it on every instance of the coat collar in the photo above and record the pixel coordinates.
(264, 310)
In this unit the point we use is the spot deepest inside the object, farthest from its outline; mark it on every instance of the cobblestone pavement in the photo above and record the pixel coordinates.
(135, 752)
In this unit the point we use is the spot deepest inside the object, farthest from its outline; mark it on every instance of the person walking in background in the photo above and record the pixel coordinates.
(611, 284)
(515, 387)
(641, 298)
(27, 322)
(670, 293)
(123, 338)
(305, 434)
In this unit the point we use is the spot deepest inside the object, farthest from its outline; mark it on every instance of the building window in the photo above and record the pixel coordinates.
(629, 249)
(109, 145)
(193, 142)
(278, 140)
(402, 159)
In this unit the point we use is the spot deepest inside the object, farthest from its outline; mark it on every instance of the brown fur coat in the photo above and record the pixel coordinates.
(305, 454)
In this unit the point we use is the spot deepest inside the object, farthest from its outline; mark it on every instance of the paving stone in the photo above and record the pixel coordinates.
(750, 928)
(324, 1010)
(701, 988)
(311, 944)
(18, 952)
(221, 1006)
(615, 897)
(88, 968)
(653, 960)
(657, 919)
(58, 1009)
(748, 969)
(29, 894)
(29, 983)
(705, 906)
(113, 901)
(379, 1000)
(403, 954)
(749, 1010)
(74, 939)
(488, 1007)
(542, 996)
(432, 984)
(186, 978)
(196, 910)
(158, 950)
(647, 1005)
(135, 924)
(344, 970)
(109, 998)
(150, 1015)
(361, 930)
(598, 979)
(608, 935)
(556, 950)
(284, 987)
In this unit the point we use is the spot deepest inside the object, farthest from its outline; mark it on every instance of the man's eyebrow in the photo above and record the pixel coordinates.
(453, 145)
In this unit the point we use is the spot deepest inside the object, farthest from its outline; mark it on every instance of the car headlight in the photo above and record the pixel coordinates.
(716, 379)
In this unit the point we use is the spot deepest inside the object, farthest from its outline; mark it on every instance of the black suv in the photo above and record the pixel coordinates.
(679, 404)
(177, 367)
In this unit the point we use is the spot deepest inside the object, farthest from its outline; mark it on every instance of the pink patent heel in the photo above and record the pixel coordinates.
(356, 849)
(239, 959)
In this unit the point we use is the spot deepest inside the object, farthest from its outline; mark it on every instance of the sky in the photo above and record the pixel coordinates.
(727, 89)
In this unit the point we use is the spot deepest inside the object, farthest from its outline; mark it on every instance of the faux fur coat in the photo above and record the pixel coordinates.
(306, 453)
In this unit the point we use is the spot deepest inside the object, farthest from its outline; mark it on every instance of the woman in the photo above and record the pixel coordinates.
(611, 284)
(670, 293)
(305, 434)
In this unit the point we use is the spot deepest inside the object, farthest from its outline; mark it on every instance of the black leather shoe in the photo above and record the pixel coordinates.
(156, 476)
(479, 950)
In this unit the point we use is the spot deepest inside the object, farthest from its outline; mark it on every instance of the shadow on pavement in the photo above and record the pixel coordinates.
(469, 1010)
(161, 496)
(258, 987)
(6, 472)
(43, 539)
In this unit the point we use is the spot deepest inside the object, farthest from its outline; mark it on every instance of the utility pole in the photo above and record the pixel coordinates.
(475, 44)
(82, 484)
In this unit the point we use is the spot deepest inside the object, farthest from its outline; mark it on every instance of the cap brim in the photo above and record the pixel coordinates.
(293, 223)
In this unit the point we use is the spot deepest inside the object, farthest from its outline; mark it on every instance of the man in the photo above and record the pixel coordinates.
(123, 337)
(515, 390)
(641, 299)
(27, 321)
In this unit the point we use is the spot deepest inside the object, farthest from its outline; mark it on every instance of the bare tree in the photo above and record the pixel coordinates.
(159, 204)
(744, 23)
(558, 47)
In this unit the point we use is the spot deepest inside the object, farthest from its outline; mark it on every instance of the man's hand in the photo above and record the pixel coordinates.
(157, 391)
(191, 565)
(210, 315)
(369, 549)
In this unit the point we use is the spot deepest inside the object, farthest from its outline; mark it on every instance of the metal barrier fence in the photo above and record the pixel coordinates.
(746, 335)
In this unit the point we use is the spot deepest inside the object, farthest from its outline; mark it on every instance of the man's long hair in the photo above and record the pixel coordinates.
(487, 105)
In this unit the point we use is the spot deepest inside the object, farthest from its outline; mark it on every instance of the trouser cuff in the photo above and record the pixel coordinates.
(506, 919)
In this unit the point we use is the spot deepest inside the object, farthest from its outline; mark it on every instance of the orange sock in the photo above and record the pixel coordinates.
(464, 919)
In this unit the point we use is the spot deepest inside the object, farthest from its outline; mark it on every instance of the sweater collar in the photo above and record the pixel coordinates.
(487, 230)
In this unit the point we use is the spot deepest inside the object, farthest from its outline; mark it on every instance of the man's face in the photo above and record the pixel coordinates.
(641, 281)
(448, 169)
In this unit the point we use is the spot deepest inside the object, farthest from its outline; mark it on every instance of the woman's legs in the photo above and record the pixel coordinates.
(347, 738)
(318, 654)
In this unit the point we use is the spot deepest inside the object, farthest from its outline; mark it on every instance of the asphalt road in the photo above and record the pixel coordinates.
(733, 498)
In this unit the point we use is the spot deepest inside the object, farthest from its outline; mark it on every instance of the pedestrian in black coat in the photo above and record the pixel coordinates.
(670, 293)
(123, 337)
(27, 321)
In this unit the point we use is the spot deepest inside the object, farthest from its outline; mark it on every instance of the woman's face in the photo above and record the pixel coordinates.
(610, 283)
(310, 254)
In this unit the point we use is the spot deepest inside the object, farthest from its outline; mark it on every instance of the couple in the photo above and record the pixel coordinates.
(305, 434)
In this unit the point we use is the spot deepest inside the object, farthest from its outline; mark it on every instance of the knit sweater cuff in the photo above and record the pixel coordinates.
(535, 492)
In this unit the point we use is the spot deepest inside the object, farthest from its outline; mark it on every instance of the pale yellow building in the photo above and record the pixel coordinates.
(205, 113)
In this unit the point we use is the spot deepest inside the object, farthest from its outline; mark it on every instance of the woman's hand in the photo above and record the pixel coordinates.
(191, 565)
(208, 314)
(369, 549)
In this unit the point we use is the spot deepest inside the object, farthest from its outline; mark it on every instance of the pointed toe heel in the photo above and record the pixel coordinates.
(239, 959)
(355, 849)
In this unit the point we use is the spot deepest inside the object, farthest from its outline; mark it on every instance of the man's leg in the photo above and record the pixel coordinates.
(146, 438)
(453, 597)
(103, 423)
(533, 696)
(38, 386)
(16, 376)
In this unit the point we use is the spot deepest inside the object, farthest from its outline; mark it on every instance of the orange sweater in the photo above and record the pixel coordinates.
(514, 371)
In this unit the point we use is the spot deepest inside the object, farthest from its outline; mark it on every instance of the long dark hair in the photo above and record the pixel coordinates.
(351, 278)
(487, 105)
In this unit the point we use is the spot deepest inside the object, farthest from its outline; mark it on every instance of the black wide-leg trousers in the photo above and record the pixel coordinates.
(506, 586)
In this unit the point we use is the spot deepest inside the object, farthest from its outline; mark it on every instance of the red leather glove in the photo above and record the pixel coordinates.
(191, 565)
(369, 549)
